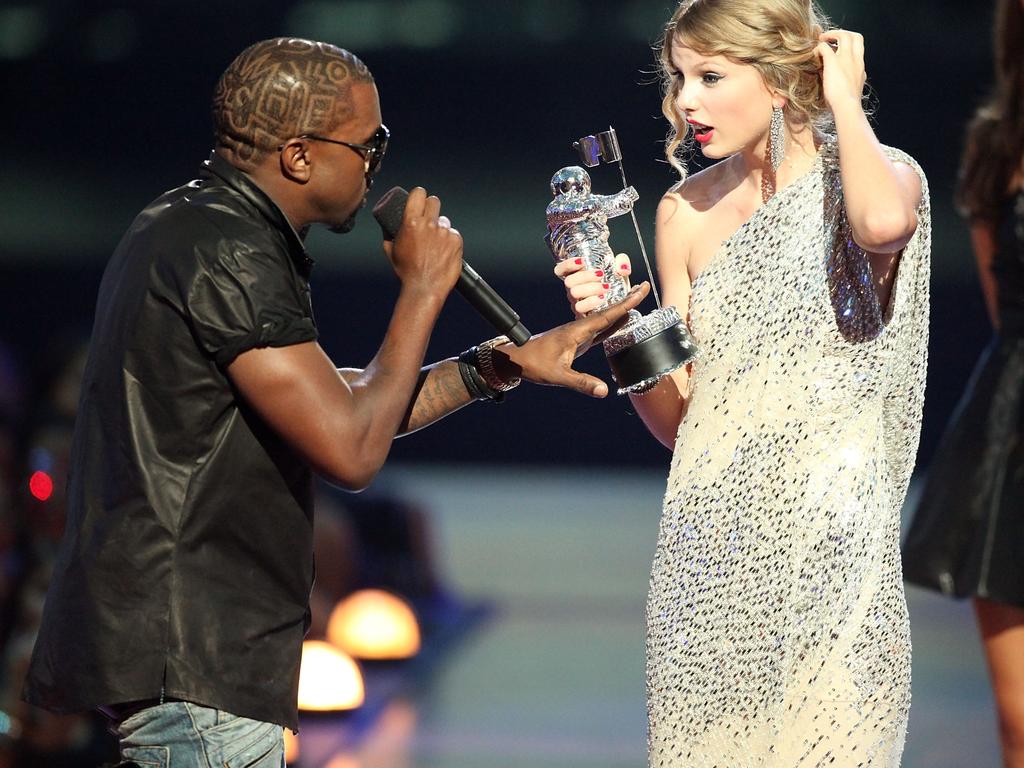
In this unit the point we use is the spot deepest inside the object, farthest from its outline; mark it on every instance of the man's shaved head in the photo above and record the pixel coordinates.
(280, 88)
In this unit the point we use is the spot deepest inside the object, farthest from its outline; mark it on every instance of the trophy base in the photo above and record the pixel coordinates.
(647, 348)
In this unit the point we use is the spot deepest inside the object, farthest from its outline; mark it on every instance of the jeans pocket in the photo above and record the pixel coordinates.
(223, 718)
(147, 757)
(209, 720)
(145, 720)
(244, 743)
(266, 751)
(203, 718)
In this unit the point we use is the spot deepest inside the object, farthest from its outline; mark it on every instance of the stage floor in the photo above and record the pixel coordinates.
(554, 678)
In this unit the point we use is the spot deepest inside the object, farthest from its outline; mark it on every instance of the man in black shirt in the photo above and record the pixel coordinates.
(180, 596)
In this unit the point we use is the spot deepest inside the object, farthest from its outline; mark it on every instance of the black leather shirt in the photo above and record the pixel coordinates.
(187, 562)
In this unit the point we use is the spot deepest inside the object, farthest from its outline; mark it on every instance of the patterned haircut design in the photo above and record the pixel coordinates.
(280, 88)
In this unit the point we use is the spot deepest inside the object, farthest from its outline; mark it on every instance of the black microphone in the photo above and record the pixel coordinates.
(474, 289)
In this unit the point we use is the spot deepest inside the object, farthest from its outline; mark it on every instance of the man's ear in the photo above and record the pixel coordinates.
(296, 164)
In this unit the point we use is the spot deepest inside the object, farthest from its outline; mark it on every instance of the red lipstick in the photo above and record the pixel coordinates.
(702, 133)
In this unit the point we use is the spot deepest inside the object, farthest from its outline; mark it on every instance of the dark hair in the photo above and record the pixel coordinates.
(995, 136)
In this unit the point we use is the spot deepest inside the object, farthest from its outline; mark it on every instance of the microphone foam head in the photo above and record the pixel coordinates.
(389, 210)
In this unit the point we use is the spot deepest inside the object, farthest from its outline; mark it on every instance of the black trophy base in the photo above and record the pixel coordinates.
(639, 365)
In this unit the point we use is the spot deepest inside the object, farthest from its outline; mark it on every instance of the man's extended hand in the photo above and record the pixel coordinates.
(547, 358)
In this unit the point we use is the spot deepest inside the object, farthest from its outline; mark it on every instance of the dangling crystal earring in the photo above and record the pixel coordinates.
(777, 140)
(776, 152)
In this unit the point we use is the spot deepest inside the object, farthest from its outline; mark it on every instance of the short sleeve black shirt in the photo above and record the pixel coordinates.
(186, 566)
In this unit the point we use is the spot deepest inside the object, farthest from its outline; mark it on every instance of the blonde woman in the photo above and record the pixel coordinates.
(777, 630)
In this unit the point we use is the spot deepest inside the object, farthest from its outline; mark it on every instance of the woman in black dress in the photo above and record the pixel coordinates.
(967, 538)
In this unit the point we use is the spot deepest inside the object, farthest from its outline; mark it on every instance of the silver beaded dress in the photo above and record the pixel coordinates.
(777, 630)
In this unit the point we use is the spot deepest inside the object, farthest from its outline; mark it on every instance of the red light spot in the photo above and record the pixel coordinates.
(41, 485)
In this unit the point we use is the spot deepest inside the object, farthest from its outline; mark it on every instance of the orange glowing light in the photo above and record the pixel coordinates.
(343, 761)
(329, 680)
(374, 624)
(291, 747)
(40, 485)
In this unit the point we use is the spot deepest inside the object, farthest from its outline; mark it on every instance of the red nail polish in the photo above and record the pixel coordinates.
(599, 273)
(606, 286)
(579, 261)
(624, 267)
(601, 296)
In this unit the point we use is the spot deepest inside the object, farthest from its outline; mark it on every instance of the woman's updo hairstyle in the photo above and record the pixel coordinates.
(778, 37)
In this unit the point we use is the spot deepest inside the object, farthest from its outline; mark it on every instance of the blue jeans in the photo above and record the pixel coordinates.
(180, 734)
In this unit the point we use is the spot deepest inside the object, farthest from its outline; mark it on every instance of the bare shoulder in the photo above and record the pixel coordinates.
(681, 214)
(910, 173)
(697, 193)
(684, 208)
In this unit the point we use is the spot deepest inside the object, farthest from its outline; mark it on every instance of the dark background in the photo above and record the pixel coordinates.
(106, 104)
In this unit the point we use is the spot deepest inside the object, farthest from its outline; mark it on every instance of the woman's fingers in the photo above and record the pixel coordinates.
(826, 54)
(622, 267)
(565, 268)
(587, 305)
(585, 277)
(585, 294)
(586, 290)
(842, 58)
(858, 48)
(849, 45)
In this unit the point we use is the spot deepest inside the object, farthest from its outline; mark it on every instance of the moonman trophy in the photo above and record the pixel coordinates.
(648, 346)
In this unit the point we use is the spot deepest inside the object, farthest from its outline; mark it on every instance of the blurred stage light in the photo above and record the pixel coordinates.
(10, 728)
(551, 21)
(645, 21)
(41, 459)
(40, 485)
(22, 29)
(329, 680)
(112, 35)
(368, 24)
(374, 624)
(291, 747)
(357, 24)
(426, 23)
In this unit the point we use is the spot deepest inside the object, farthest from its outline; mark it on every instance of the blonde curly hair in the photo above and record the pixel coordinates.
(777, 37)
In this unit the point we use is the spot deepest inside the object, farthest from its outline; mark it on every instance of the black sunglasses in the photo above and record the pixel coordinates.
(372, 153)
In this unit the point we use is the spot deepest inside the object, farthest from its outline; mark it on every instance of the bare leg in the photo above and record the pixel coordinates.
(1002, 633)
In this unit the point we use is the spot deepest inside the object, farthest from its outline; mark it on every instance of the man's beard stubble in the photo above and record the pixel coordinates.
(346, 226)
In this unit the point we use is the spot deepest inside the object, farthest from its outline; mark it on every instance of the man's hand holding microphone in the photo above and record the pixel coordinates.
(426, 254)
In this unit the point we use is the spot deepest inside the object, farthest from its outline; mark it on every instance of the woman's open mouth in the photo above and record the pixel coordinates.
(702, 133)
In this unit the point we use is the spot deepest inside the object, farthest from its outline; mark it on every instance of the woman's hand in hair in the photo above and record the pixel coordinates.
(842, 59)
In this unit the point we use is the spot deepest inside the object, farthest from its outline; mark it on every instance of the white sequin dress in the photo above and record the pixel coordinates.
(777, 630)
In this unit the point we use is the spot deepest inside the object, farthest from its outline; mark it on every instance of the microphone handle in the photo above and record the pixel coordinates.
(488, 303)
